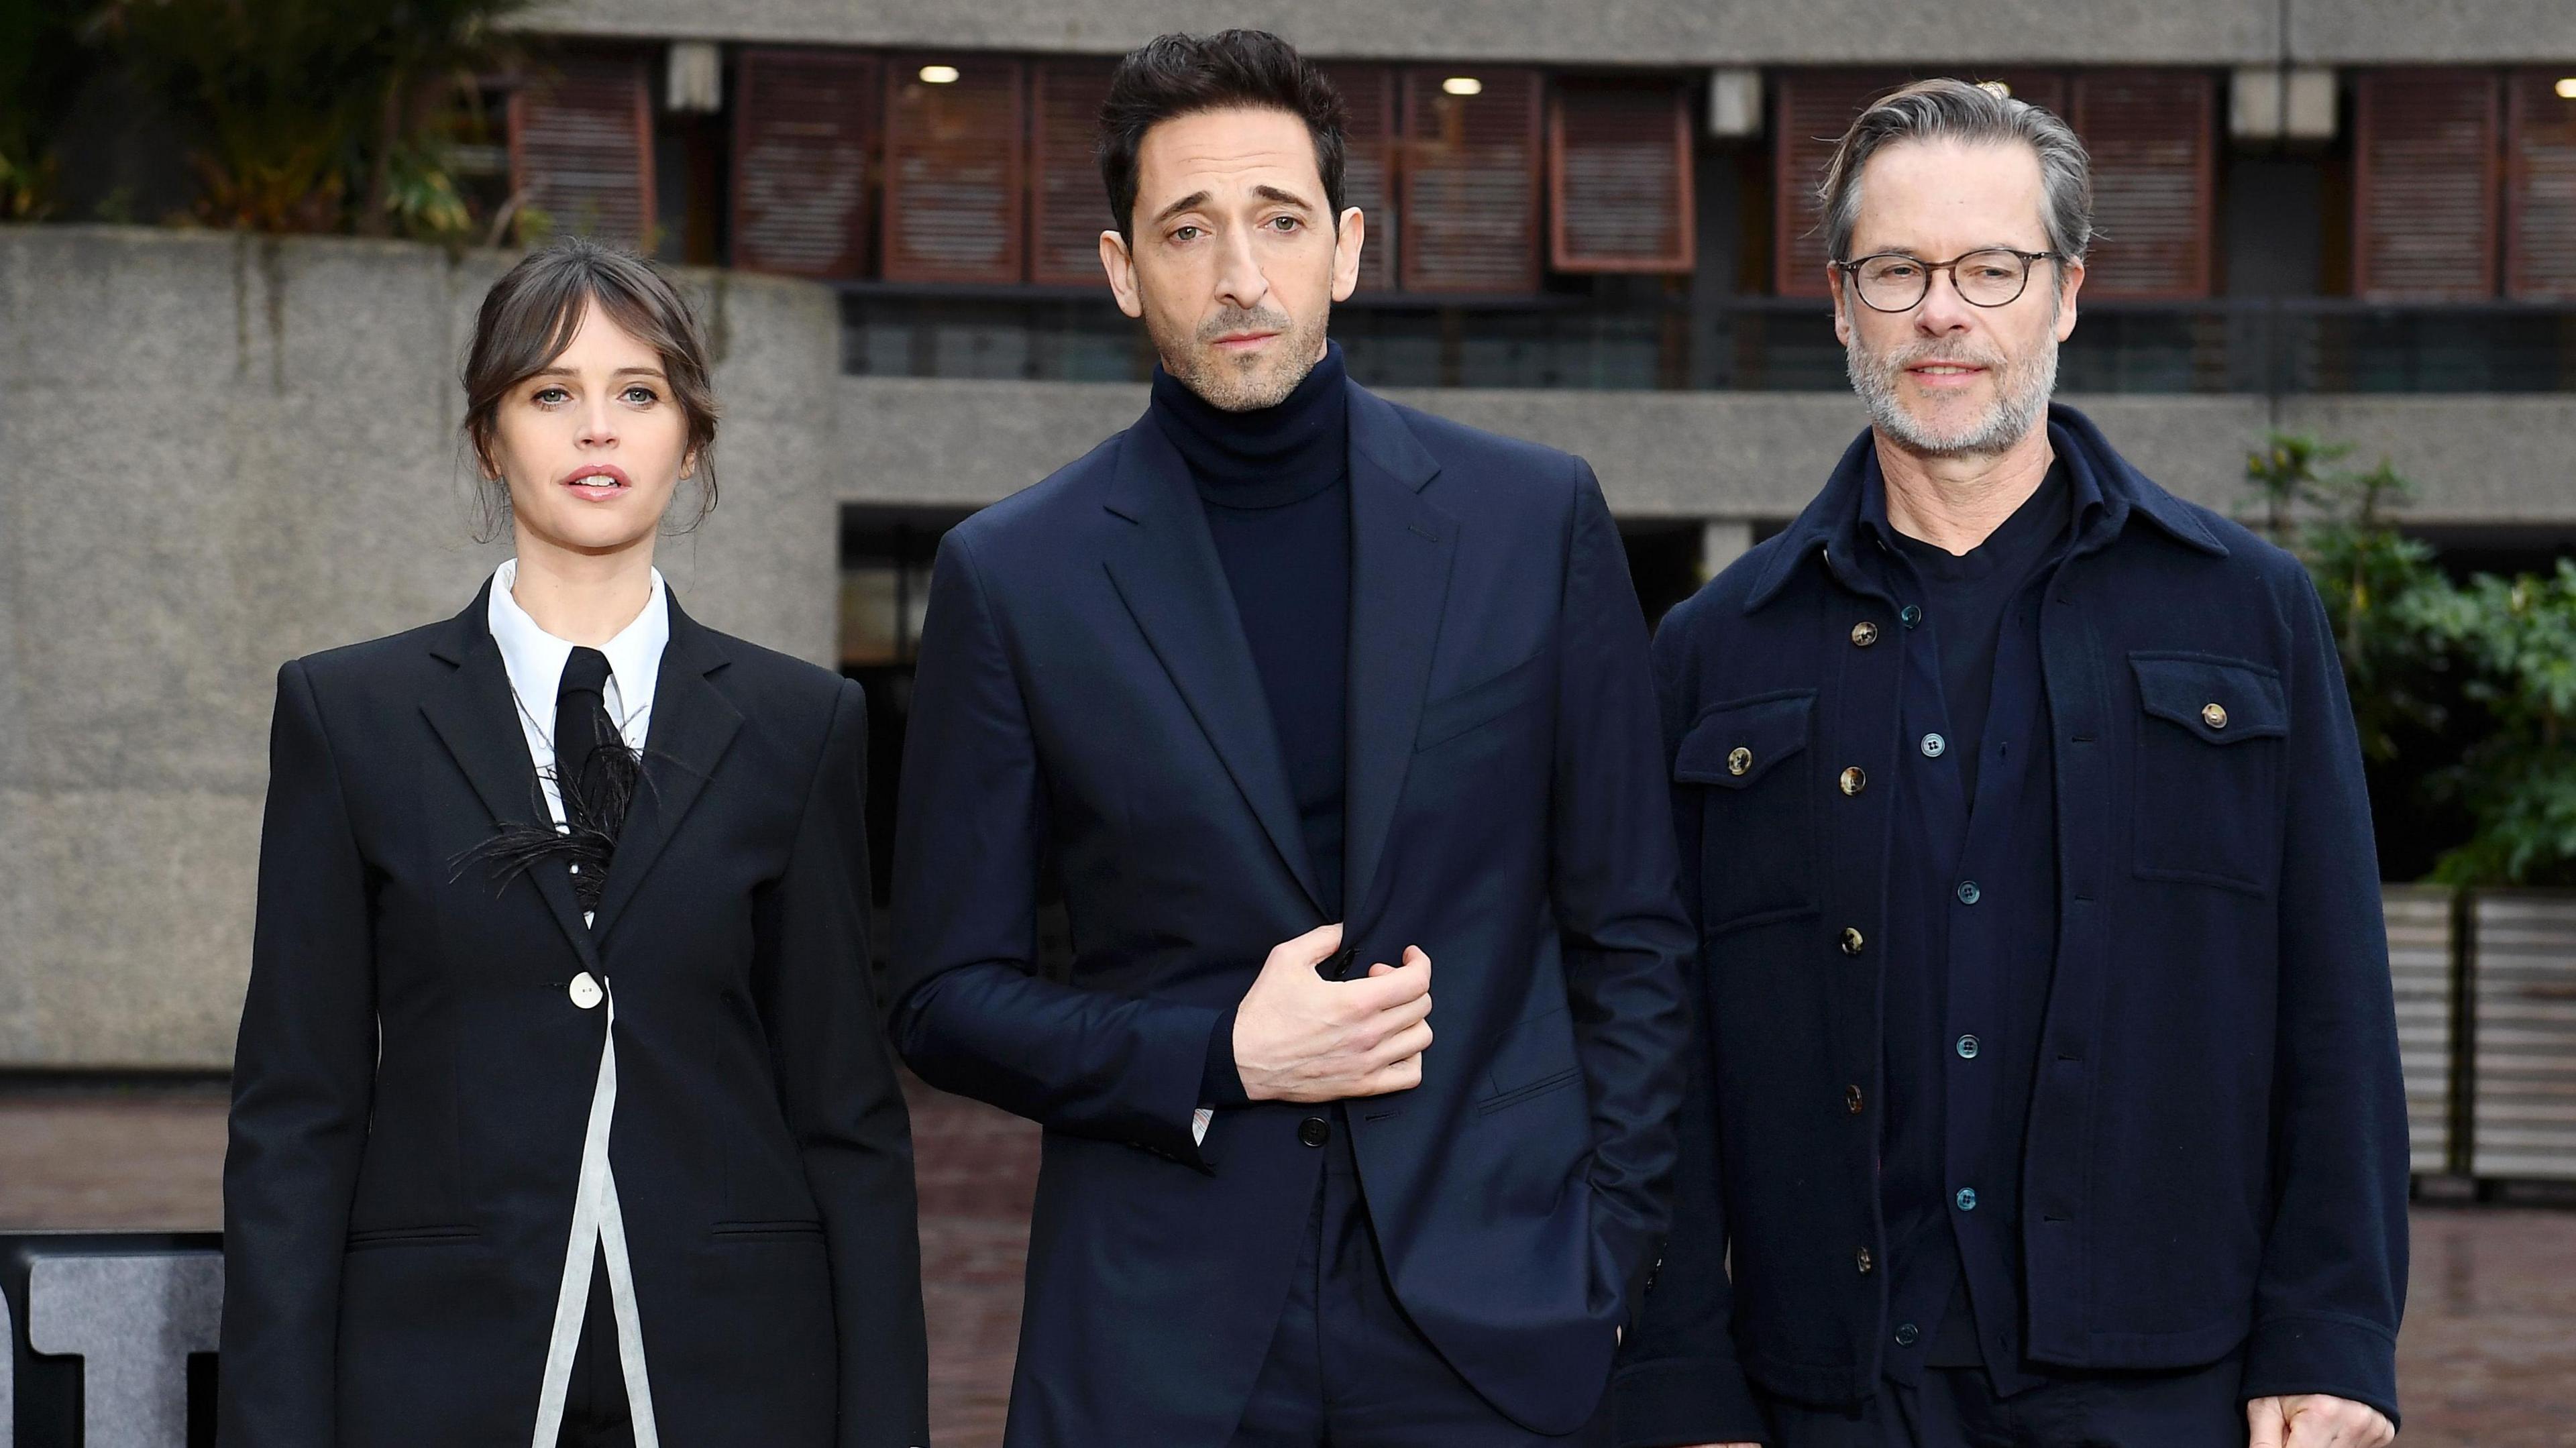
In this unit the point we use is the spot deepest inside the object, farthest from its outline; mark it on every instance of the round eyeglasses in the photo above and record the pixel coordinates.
(1891, 281)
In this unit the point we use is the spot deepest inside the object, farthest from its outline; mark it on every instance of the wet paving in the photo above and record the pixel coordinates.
(2487, 1360)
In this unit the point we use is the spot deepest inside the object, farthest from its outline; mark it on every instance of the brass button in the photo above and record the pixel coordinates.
(1851, 941)
(1866, 1262)
(1739, 759)
(1852, 1101)
(1864, 633)
(2214, 716)
(1854, 781)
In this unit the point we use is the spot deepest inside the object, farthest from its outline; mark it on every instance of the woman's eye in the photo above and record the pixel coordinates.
(549, 396)
(641, 395)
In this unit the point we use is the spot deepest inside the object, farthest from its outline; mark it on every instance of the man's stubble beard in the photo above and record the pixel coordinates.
(2021, 395)
(1240, 384)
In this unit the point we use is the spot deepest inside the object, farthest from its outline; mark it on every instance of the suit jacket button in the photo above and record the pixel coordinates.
(1739, 760)
(1864, 633)
(1851, 941)
(1866, 1262)
(585, 991)
(1854, 781)
(1314, 1131)
(2214, 715)
(1852, 1100)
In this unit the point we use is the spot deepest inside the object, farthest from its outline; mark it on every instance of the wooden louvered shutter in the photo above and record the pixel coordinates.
(1814, 109)
(1068, 207)
(1368, 165)
(803, 124)
(1619, 174)
(581, 148)
(1471, 183)
(2153, 136)
(955, 178)
(2424, 185)
(2540, 190)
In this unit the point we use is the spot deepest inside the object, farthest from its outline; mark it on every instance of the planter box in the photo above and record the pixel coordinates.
(2523, 1035)
(2423, 954)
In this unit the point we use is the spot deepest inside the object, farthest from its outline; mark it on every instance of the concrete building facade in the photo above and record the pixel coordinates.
(218, 452)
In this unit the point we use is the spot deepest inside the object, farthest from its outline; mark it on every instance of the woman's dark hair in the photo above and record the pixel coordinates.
(530, 316)
(1179, 75)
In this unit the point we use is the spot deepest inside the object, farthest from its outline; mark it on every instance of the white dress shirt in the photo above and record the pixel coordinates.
(535, 661)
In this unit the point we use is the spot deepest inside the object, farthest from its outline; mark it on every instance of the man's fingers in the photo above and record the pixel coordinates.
(1404, 1075)
(1413, 1040)
(1385, 988)
(1416, 955)
(2264, 1425)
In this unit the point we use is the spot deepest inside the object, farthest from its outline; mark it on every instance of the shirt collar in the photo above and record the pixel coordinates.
(535, 658)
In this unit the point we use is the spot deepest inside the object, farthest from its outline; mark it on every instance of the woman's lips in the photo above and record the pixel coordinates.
(597, 484)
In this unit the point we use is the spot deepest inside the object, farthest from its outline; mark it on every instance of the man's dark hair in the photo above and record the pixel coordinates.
(1179, 75)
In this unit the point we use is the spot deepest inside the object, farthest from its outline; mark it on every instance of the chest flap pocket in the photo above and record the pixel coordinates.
(1741, 768)
(2207, 792)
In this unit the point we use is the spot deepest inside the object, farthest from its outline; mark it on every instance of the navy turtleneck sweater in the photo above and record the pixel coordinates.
(1276, 485)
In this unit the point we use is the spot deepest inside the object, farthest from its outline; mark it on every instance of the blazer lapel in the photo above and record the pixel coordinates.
(1401, 547)
(693, 725)
(478, 720)
(1166, 570)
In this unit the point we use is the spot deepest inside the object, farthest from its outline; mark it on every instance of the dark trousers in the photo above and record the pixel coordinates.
(1958, 1408)
(1347, 1368)
(595, 1413)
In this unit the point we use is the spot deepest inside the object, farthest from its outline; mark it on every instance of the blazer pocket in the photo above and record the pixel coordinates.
(798, 1230)
(1532, 1059)
(376, 1238)
(2207, 790)
(1484, 701)
(1741, 767)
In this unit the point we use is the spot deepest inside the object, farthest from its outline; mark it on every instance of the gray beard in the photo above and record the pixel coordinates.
(1244, 386)
(2021, 400)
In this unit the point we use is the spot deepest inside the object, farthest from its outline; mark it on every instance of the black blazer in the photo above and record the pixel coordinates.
(1087, 707)
(412, 1079)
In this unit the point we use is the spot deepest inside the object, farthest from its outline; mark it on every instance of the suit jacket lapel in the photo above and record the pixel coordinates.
(1400, 552)
(693, 724)
(1166, 570)
(478, 720)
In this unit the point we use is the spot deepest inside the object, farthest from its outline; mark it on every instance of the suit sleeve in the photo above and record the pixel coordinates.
(1613, 887)
(971, 1015)
(1678, 1380)
(303, 1081)
(842, 1097)
(2333, 1277)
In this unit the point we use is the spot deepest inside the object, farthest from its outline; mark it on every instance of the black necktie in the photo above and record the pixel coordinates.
(594, 771)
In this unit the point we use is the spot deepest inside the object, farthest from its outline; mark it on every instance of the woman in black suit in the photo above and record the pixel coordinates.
(561, 1110)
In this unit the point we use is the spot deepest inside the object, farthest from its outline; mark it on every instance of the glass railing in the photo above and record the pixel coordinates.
(2237, 345)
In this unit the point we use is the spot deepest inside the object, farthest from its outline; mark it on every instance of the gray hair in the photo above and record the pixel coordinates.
(1972, 114)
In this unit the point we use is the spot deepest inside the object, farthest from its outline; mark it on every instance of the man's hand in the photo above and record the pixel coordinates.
(2313, 1420)
(1300, 1037)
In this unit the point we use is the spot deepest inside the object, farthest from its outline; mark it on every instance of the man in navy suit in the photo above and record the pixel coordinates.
(1292, 693)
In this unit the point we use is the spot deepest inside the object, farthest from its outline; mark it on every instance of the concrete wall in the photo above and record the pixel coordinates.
(1655, 32)
(1745, 455)
(219, 452)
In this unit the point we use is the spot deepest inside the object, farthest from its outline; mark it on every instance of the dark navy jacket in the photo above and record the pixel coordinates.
(2216, 1142)
(1088, 710)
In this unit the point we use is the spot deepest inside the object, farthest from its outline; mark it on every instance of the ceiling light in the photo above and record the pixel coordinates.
(2567, 89)
(939, 75)
(2000, 90)
(1463, 85)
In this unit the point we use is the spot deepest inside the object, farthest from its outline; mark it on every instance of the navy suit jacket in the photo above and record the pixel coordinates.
(1088, 712)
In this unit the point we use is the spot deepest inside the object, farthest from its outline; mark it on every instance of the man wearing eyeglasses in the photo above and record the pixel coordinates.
(2050, 1090)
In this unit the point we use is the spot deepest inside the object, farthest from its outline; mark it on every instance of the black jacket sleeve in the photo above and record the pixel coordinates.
(842, 1097)
(1612, 886)
(2333, 1279)
(971, 1015)
(303, 1081)
(1678, 1380)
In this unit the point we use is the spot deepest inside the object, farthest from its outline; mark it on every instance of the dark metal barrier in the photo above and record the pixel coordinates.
(111, 1339)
